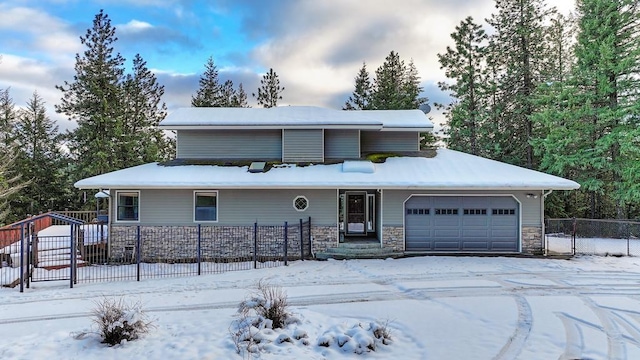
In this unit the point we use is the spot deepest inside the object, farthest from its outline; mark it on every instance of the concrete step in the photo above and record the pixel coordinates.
(359, 245)
(351, 252)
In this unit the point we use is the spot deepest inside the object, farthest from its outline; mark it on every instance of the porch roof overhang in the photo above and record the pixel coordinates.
(448, 170)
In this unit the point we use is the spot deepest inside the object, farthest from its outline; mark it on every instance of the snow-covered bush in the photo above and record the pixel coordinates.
(358, 338)
(118, 320)
(262, 319)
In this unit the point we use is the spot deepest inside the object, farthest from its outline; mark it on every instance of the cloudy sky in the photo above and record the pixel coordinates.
(316, 47)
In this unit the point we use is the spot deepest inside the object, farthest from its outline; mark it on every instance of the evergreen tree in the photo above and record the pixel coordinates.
(7, 116)
(143, 110)
(360, 99)
(269, 90)
(239, 98)
(209, 93)
(593, 127)
(40, 160)
(464, 64)
(10, 183)
(93, 100)
(518, 48)
(389, 84)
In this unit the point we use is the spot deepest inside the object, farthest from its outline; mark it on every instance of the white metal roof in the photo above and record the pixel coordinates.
(295, 117)
(448, 170)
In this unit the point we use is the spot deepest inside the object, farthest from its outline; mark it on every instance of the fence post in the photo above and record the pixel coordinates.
(286, 244)
(573, 237)
(138, 253)
(255, 245)
(309, 236)
(199, 248)
(628, 239)
(73, 255)
(301, 242)
(22, 257)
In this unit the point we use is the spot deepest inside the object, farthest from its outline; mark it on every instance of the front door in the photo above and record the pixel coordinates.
(356, 213)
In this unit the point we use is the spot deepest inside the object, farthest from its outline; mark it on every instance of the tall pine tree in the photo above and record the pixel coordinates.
(93, 100)
(40, 160)
(209, 93)
(465, 65)
(517, 47)
(269, 90)
(593, 128)
(143, 111)
(360, 99)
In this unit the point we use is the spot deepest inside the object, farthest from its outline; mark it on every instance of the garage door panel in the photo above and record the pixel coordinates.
(446, 245)
(446, 221)
(475, 221)
(459, 223)
(446, 233)
(475, 245)
(475, 233)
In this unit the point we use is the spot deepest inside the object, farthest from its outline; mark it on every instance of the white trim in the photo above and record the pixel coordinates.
(282, 143)
(278, 127)
(217, 194)
(116, 219)
(303, 197)
(404, 213)
(322, 144)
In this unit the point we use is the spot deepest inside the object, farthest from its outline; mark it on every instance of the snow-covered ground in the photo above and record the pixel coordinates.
(436, 307)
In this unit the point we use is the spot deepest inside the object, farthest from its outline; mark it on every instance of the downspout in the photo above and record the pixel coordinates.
(544, 195)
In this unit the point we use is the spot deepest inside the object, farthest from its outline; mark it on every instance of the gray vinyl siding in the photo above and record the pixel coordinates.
(229, 144)
(238, 207)
(389, 141)
(341, 144)
(303, 145)
(393, 204)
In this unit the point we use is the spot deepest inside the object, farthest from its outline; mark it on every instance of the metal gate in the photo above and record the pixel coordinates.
(50, 254)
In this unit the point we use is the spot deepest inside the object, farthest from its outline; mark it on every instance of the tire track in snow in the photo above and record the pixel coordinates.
(518, 340)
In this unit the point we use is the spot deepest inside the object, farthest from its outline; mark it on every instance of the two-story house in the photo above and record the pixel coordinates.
(236, 166)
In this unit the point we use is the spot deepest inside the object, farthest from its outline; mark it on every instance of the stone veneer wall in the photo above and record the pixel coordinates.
(323, 237)
(532, 240)
(393, 238)
(180, 243)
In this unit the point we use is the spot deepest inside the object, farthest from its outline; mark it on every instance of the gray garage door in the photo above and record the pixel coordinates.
(461, 223)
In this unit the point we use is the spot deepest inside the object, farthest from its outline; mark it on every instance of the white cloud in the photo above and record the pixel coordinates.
(134, 26)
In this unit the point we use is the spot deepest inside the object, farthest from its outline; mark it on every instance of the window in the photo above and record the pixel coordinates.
(206, 206)
(128, 206)
(300, 203)
(503, 212)
(446, 211)
(417, 211)
(475, 211)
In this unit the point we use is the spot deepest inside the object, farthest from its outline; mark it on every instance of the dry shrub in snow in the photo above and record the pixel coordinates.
(357, 339)
(262, 319)
(118, 320)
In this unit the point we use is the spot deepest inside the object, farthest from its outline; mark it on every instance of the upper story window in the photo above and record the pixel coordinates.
(128, 206)
(205, 205)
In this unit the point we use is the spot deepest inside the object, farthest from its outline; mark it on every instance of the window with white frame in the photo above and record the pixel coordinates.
(128, 206)
(205, 206)
(300, 203)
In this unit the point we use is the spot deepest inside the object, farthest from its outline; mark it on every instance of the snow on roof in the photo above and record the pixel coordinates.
(449, 169)
(295, 117)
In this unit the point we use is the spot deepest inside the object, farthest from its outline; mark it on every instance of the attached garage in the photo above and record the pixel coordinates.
(462, 224)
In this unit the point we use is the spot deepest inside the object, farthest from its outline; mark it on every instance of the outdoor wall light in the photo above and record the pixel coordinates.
(530, 195)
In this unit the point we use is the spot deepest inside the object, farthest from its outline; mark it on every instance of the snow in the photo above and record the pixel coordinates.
(561, 244)
(295, 117)
(434, 307)
(449, 170)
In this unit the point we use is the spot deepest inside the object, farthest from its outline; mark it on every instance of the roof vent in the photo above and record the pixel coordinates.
(257, 167)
